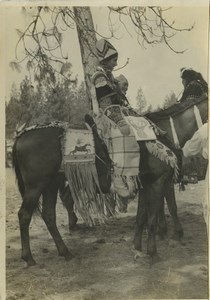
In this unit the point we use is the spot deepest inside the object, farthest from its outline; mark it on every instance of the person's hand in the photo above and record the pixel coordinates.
(177, 146)
(123, 127)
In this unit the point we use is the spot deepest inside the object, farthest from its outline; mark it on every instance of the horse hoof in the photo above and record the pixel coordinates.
(181, 234)
(28, 259)
(136, 244)
(177, 235)
(161, 236)
(154, 259)
(173, 243)
(72, 227)
(31, 263)
(69, 256)
(73, 222)
(139, 254)
(162, 232)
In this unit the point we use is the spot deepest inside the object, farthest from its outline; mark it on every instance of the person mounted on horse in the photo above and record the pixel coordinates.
(119, 125)
(194, 84)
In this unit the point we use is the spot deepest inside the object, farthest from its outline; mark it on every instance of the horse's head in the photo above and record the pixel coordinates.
(103, 161)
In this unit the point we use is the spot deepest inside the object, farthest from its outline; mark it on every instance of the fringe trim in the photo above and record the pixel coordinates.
(54, 124)
(130, 185)
(169, 160)
(83, 184)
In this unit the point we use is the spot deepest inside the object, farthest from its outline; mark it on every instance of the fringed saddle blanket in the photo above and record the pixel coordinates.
(81, 173)
(54, 124)
(163, 153)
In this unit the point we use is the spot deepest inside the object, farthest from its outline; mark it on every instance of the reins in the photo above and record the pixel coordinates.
(101, 160)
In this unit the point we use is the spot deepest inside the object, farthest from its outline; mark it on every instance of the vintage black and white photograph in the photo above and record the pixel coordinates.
(105, 135)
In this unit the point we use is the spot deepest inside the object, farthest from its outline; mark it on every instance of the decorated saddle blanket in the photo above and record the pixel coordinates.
(141, 129)
(80, 170)
(163, 153)
(78, 146)
(124, 149)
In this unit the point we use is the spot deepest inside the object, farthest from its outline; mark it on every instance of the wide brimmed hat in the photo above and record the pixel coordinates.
(105, 50)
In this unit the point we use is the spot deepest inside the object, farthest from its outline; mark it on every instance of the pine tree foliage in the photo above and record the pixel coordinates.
(65, 101)
(169, 100)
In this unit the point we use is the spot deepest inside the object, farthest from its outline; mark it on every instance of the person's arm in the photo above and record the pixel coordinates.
(105, 94)
(193, 146)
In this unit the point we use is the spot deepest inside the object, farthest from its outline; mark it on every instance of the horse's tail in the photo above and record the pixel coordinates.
(15, 164)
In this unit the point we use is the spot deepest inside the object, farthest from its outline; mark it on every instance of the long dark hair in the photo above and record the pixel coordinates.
(191, 75)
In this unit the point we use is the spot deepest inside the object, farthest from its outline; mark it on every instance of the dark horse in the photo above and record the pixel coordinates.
(184, 121)
(37, 159)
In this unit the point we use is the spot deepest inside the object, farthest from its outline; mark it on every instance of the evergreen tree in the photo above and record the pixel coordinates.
(64, 101)
(169, 100)
(140, 101)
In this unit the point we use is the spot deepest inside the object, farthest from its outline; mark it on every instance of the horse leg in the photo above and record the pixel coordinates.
(141, 219)
(49, 217)
(172, 207)
(30, 200)
(162, 226)
(154, 195)
(123, 204)
(111, 205)
(68, 202)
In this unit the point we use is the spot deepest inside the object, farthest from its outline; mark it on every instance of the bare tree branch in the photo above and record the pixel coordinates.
(42, 41)
(150, 24)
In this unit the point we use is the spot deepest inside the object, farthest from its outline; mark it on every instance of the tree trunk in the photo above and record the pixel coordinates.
(87, 41)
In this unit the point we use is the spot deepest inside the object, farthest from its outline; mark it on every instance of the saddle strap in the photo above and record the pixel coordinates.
(198, 116)
(174, 134)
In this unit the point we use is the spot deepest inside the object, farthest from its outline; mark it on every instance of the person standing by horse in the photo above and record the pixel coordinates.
(194, 84)
(198, 144)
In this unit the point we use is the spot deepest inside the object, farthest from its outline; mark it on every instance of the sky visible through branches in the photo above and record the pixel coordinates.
(152, 67)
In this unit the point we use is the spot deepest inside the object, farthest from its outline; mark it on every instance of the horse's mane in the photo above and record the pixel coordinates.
(175, 109)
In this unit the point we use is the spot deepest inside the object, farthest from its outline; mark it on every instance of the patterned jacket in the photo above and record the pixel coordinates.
(194, 88)
(106, 87)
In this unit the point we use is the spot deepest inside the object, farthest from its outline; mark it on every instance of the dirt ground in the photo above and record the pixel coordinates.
(104, 266)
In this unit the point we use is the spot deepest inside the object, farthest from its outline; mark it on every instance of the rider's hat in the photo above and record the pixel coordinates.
(105, 50)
